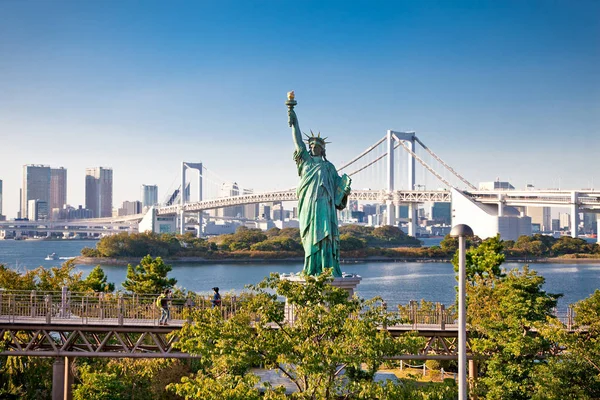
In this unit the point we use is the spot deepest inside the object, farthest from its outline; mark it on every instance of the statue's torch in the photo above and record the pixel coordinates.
(290, 103)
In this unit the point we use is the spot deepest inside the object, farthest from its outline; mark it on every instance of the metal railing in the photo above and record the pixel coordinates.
(98, 308)
(86, 308)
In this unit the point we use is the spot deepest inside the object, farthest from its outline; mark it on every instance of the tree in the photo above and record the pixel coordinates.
(483, 260)
(449, 244)
(149, 276)
(13, 280)
(55, 278)
(505, 312)
(331, 334)
(277, 243)
(574, 374)
(96, 281)
(128, 379)
(349, 242)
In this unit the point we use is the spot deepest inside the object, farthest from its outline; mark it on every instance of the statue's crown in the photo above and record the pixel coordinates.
(316, 139)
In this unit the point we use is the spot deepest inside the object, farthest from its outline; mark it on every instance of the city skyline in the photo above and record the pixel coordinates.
(500, 89)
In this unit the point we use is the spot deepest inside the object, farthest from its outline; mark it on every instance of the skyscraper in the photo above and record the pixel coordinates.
(58, 188)
(36, 186)
(541, 217)
(149, 195)
(0, 197)
(230, 189)
(99, 191)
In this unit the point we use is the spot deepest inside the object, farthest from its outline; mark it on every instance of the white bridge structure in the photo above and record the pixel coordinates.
(395, 170)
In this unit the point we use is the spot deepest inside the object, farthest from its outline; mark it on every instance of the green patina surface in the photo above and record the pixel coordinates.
(321, 192)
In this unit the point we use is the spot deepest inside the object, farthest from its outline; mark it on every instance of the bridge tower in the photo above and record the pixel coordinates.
(393, 210)
(182, 197)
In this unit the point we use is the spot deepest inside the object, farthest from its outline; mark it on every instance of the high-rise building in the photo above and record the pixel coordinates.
(58, 188)
(37, 210)
(250, 210)
(541, 216)
(0, 198)
(149, 195)
(36, 186)
(496, 185)
(565, 220)
(441, 213)
(229, 190)
(99, 191)
(130, 208)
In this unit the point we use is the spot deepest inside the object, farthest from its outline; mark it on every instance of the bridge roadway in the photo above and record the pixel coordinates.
(585, 200)
(65, 337)
(57, 324)
(582, 200)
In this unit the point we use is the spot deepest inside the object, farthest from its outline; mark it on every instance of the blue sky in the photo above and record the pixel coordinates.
(507, 89)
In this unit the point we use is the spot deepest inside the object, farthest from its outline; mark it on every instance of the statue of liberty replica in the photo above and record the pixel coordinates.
(321, 192)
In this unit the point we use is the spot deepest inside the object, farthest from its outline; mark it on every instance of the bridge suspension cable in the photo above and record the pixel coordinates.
(368, 165)
(423, 163)
(449, 168)
(364, 153)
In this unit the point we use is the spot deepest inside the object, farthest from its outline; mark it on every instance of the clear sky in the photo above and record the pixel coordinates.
(507, 89)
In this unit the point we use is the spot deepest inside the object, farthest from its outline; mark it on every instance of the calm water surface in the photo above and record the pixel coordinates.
(396, 282)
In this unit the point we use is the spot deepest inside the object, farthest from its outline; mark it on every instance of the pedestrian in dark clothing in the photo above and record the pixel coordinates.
(163, 302)
(216, 300)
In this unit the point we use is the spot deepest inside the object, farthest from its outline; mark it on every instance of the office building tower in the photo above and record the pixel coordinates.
(441, 213)
(149, 195)
(565, 220)
(251, 211)
(37, 210)
(58, 188)
(496, 185)
(541, 218)
(36, 186)
(68, 212)
(230, 190)
(99, 191)
(130, 208)
(264, 211)
(590, 223)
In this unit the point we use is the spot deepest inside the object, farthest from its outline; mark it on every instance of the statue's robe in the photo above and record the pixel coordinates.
(320, 194)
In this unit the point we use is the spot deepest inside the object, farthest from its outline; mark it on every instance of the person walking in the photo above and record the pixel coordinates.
(216, 300)
(163, 302)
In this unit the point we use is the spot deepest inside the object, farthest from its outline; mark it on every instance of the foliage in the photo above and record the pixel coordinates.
(96, 281)
(89, 252)
(27, 378)
(483, 260)
(331, 333)
(242, 239)
(575, 374)
(277, 243)
(449, 244)
(349, 242)
(128, 379)
(149, 276)
(13, 280)
(505, 312)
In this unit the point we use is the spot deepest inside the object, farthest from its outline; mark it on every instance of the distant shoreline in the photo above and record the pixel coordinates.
(200, 260)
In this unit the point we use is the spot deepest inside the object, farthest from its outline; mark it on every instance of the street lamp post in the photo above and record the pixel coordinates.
(462, 231)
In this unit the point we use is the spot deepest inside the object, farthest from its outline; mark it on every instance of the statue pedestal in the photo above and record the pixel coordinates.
(348, 282)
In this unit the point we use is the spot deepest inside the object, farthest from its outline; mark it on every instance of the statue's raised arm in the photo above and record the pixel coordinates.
(293, 122)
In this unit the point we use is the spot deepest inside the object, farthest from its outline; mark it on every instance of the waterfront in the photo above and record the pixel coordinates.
(396, 282)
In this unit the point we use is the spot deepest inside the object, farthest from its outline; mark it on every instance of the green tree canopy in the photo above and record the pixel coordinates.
(149, 276)
(96, 281)
(331, 333)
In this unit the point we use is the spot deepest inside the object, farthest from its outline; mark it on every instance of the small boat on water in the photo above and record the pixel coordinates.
(52, 256)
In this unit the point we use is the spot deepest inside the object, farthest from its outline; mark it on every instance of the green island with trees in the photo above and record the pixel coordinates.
(335, 345)
(356, 243)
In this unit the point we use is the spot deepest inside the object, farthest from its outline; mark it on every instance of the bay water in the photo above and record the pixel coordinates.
(395, 282)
